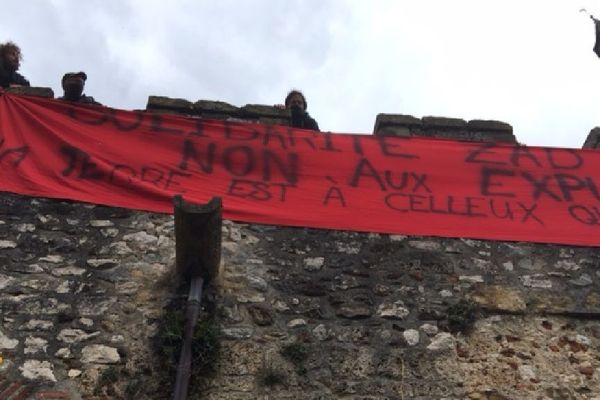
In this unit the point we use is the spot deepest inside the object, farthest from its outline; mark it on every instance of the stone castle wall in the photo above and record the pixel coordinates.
(303, 313)
(86, 291)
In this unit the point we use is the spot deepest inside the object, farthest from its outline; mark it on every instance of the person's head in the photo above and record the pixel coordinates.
(295, 98)
(11, 56)
(73, 83)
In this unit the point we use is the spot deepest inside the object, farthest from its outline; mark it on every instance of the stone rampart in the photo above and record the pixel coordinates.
(88, 299)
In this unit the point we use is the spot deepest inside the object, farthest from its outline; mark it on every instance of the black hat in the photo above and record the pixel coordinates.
(80, 74)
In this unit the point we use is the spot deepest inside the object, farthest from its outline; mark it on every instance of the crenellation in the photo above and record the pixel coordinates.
(441, 127)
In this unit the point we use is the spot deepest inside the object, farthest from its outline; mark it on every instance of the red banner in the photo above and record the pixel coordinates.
(277, 175)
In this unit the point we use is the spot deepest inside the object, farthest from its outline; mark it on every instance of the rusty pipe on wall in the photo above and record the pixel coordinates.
(198, 255)
(184, 368)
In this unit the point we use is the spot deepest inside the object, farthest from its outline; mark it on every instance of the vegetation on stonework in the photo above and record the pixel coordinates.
(206, 347)
(119, 382)
(461, 316)
(206, 343)
(109, 376)
(297, 354)
(133, 388)
(168, 340)
(106, 381)
(270, 375)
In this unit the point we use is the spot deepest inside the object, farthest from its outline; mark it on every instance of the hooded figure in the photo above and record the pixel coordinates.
(296, 103)
(73, 84)
(10, 60)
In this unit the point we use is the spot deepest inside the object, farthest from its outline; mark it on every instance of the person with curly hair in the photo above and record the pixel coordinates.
(10, 61)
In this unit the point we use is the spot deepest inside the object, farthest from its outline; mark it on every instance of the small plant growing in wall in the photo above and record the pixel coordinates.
(106, 381)
(462, 316)
(206, 347)
(119, 382)
(269, 375)
(297, 354)
(169, 339)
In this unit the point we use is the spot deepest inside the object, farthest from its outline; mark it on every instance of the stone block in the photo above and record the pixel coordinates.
(167, 103)
(273, 121)
(404, 123)
(445, 133)
(499, 298)
(444, 123)
(397, 119)
(399, 131)
(592, 301)
(593, 139)
(217, 107)
(486, 136)
(550, 302)
(31, 91)
(451, 128)
(218, 110)
(491, 131)
(260, 110)
(172, 111)
(489, 126)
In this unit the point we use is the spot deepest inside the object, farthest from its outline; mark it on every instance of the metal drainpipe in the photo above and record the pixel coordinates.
(184, 368)
(198, 255)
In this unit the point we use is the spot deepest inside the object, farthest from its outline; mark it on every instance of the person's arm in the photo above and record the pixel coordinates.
(311, 123)
(19, 80)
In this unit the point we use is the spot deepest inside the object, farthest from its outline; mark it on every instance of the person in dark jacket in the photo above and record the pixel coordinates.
(10, 61)
(296, 103)
(73, 84)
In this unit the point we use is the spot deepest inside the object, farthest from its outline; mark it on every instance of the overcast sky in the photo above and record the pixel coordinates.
(525, 62)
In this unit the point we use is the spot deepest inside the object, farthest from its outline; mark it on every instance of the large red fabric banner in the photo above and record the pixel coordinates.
(277, 175)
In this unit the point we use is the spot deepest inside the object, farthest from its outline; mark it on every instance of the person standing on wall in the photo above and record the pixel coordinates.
(73, 84)
(10, 61)
(296, 103)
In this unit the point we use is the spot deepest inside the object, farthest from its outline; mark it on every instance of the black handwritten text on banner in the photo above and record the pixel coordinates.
(284, 176)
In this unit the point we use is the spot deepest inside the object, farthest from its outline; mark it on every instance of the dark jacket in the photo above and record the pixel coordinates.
(303, 120)
(83, 99)
(11, 78)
